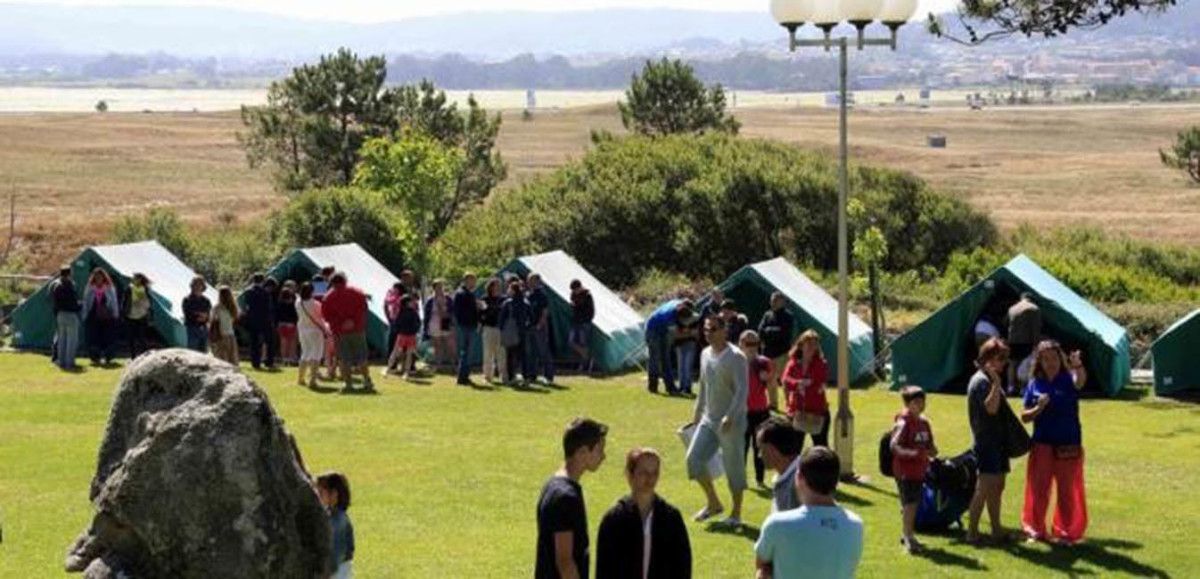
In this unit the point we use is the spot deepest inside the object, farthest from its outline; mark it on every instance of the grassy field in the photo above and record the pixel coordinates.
(445, 479)
(75, 174)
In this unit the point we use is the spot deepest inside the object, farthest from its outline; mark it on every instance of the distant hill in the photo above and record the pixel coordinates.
(197, 31)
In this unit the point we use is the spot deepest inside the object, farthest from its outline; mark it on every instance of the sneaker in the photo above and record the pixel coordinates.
(911, 546)
(730, 523)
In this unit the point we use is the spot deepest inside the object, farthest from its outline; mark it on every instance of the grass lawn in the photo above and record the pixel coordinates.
(445, 478)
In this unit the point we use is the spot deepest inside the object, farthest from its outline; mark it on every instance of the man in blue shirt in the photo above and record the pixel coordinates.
(819, 539)
(658, 341)
(780, 446)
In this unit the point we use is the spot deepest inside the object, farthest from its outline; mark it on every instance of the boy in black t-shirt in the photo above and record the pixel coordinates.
(562, 543)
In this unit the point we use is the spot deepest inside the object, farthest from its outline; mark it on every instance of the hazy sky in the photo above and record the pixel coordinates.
(380, 10)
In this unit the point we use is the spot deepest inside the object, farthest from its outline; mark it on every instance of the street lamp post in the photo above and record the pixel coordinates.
(825, 15)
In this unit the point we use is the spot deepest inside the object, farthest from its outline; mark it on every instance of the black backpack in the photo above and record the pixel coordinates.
(885, 453)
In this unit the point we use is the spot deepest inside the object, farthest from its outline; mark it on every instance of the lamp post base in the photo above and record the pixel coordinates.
(843, 440)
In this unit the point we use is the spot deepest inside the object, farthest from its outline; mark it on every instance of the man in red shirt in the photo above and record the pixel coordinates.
(345, 309)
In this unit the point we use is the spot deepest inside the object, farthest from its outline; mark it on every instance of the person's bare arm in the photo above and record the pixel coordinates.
(897, 448)
(1078, 372)
(995, 395)
(564, 560)
(1030, 414)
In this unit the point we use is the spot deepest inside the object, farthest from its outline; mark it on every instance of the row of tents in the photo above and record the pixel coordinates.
(936, 354)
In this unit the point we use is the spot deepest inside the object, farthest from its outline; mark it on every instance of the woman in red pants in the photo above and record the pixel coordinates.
(1056, 459)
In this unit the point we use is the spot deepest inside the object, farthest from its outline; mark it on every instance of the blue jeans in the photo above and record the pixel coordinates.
(685, 355)
(659, 364)
(542, 359)
(197, 339)
(463, 337)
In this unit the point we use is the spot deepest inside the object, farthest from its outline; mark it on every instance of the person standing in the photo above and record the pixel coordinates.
(758, 410)
(439, 320)
(985, 395)
(687, 343)
(286, 320)
(1056, 458)
(912, 448)
(542, 351)
(404, 351)
(583, 311)
(101, 311)
(775, 329)
(311, 330)
(562, 530)
(138, 315)
(345, 309)
(804, 385)
(643, 536)
(1024, 331)
(515, 321)
(196, 311)
(658, 341)
(720, 419)
(819, 539)
(735, 321)
(466, 324)
(495, 363)
(780, 446)
(224, 317)
(258, 322)
(333, 489)
(391, 310)
(66, 319)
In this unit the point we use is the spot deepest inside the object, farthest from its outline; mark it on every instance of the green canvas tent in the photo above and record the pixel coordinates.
(361, 270)
(1176, 354)
(812, 307)
(938, 353)
(617, 340)
(33, 320)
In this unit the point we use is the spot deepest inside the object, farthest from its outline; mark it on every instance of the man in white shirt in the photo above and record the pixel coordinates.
(720, 418)
(819, 539)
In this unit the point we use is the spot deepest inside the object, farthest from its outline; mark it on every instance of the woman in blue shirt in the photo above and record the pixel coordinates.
(1056, 458)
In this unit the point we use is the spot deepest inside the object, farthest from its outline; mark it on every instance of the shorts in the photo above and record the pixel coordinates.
(406, 342)
(287, 331)
(911, 491)
(992, 460)
(704, 446)
(352, 349)
(580, 335)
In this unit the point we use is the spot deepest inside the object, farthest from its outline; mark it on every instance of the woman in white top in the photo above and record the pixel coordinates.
(137, 319)
(224, 316)
(312, 330)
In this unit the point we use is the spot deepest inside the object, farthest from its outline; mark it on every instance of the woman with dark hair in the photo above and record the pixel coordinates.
(495, 362)
(516, 317)
(312, 331)
(137, 318)
(643, 535)
(100, 314)
(804, 386)
(987, 413)
(1056, 458)
(286, 318)
(439, 328)
(334, 491)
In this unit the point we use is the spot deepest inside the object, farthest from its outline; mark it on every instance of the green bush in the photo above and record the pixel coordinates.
(160, 224)
(657, 286)
(704, 206)
(232, 255)
(349, 215)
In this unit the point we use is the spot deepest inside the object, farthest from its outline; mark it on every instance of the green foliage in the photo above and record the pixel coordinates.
(350, 215)
(1185, 155)
(232, 255)
(159, 224)
(415, 174)
(315, 120)
(983, 20)
(667, 98)
(703, 206)
(657, 286)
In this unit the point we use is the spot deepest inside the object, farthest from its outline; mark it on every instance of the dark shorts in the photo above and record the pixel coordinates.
(992, 460)
(352, 349)
(910, 491)
(580, 335)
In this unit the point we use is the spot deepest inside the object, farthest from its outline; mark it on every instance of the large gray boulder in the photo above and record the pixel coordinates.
(197, 477)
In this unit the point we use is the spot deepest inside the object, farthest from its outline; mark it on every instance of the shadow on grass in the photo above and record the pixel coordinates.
(852, 500)
(358, 392)
(530, 388)
(318, 389)
(748, 532)
(1128, 394)
(762, 493)
(864, 484)
(942, 557)
(1102, 553)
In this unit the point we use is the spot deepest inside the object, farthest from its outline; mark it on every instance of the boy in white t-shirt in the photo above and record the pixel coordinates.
(819, 539)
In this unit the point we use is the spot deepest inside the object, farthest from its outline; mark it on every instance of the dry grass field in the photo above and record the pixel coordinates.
(75, 174)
